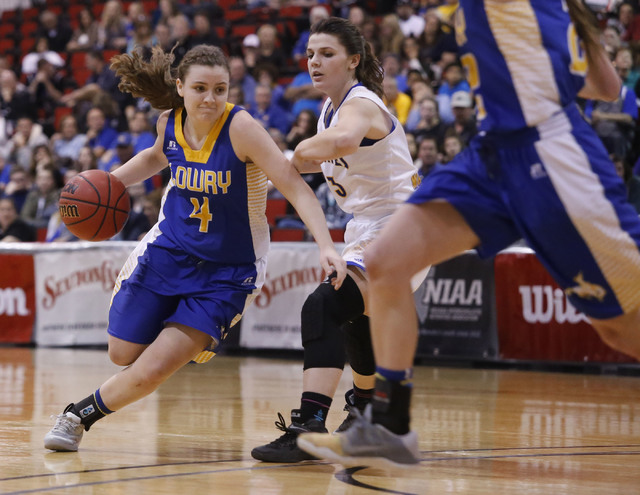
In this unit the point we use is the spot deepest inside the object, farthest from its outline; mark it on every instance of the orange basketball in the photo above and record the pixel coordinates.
(94, 205)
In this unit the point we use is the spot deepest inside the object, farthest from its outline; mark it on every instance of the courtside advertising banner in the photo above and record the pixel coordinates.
(535, 319)
(17, 298)
(456, 309)
(273, 320)
(73, 292)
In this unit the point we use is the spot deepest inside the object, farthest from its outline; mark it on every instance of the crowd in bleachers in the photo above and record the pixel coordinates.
(61, 111)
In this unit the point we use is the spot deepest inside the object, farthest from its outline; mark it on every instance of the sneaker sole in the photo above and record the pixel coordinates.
(58, 444)
(352, 461)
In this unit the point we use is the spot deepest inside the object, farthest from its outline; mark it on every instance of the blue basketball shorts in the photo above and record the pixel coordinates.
(158, 286)
(555, 187)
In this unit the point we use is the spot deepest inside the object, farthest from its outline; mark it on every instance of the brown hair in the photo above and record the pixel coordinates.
(155, 80)
(369, 71)
(585, 24)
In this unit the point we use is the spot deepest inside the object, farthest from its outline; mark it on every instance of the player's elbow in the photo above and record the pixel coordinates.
(346, 144)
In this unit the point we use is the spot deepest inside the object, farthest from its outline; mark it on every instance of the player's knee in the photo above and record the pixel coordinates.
(122, 355)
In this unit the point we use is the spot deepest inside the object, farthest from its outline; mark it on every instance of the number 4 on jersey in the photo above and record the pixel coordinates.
(202, 213)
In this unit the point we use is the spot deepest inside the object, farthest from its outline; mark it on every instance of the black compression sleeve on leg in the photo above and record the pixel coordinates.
(323, 314)
(357, 338)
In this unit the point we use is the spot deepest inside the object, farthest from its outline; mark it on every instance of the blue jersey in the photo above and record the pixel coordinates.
(214, 205)
(523, 59)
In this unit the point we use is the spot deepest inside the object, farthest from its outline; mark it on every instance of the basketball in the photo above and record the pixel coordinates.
(94, 205)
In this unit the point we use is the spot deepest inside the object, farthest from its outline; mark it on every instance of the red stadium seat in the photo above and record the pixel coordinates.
(276, 207)
(287, 235)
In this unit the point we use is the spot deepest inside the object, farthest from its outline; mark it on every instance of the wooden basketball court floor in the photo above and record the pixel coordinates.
(481, 432)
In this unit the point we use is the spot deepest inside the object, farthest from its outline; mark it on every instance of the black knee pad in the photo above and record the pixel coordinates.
(323, 314)
(357, 338)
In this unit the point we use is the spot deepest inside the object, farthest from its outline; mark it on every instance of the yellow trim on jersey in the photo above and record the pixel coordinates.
(203, 154)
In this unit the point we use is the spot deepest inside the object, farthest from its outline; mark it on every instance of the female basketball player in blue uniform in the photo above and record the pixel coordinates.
(362, 151)
(538, 172)
(192, 276)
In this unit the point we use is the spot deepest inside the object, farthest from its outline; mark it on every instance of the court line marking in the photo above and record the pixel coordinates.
(345, 476)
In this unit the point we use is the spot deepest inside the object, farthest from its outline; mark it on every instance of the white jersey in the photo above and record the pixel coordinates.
(372, 182)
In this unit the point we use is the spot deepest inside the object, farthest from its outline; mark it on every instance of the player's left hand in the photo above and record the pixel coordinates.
(332, 262)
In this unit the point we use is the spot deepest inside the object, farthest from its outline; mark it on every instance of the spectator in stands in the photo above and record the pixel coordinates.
(140, 131)
(12, 227)
(239, 76)
(135, 12)
(162, 36)
(112, 27)
(413, 146)
(40, 51)
(28, 135)
(427, 155)
(167, 10)
(101, 80)
(68, 141)
(269, 74)
(301, 95)
(453, 80)
(86, 160)
(141, 37)
(371, 33)
(390, 35)
(15, 101)
(410, 57)
(181, 40)
(236, 95)
(452, 146)
(18, 186)
(627, 22)
(46, 87)
(611, 40)
(429, 123)
(85, 35)
(434, 42)
(42, 201)
(464, 119)
(614, 121)
(625, 67)
(267, 113)
(393, 69)
(410, 23)
(57, 32)
(356, 16)
(269, 51)
(397, 102)
(304, 127)
(57, 231)
(122, 152)
(250, 48)
(204, 34)
(632, 182)
(41, 158)
(299, 51)
(100, 136)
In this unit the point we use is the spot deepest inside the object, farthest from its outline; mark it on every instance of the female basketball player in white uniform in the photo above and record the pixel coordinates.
(362, 151)
(192, 276)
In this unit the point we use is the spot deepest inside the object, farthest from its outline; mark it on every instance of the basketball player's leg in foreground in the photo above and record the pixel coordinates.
(415, 237)
(149, 366)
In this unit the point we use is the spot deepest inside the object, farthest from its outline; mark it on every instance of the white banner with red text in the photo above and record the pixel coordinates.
(273, 320)
(73, 292)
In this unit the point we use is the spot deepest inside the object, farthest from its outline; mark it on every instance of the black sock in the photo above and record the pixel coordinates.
(314, 406)
(90, 409)
(361, 396)
(391, 403)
